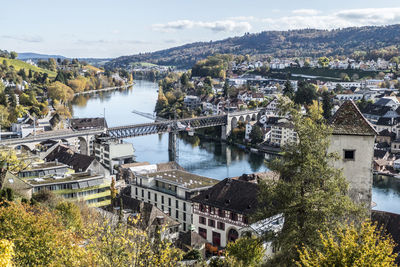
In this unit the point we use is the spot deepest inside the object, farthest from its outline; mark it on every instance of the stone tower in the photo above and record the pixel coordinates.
(353, 140)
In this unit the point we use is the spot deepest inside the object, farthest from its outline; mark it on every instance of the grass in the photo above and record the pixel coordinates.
(19, 64)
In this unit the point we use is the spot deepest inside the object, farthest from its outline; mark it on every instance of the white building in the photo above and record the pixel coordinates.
(111, 153)
(282, 133)
(171, 191)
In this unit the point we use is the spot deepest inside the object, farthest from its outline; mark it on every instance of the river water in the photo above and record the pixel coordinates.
(206, 158)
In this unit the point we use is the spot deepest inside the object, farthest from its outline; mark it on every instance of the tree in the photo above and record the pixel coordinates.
(323, 62)
(310, 193)
(351, 246)
(184, 79)
(288, 89)
(70, 215)
(327, 105)
(13, 55)
(193, 254)
(60, 91)
(305, 93)
(249, 251)
(6, 253)
(38, 237)
(256, 135)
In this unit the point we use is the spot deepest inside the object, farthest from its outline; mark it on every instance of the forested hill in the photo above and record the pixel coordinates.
(372, 41)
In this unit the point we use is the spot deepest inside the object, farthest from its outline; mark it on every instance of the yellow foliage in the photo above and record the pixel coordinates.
(351, 246)
(10, 161)
(60, 91)
(6, 253)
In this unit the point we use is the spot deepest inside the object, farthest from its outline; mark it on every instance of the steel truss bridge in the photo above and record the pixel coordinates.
(168, 126)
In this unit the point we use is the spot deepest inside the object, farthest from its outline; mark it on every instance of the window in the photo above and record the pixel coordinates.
(149, 195)
(184, 206)
(155, 197)
(216, 239)
(169, 201)
(184, 216)
(202, 208)
(202, 220)
(177, 214)
(162, 199)
(142, 193)
(169, 212)
(221, 213)
(162, 208)
(233, 216)
(177, 204)
(184, 227)
(203, 232)
(136, 191)
(221, 225)
(211, 223)
(349, 154)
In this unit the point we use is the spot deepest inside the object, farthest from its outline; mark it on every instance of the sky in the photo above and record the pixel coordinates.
(112, 28)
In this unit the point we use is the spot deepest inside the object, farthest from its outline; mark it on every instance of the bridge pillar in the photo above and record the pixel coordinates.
(226, 129)
(172, 146)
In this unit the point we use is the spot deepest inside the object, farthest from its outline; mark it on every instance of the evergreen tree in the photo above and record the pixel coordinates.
(256, 135)
(305, 94)
(288, 89)
(310, 193)
(327, 105)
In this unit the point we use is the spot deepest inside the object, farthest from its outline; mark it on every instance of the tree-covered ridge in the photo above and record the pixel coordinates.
(367, 42)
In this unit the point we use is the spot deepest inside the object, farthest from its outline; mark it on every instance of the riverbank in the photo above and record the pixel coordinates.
(104, 89)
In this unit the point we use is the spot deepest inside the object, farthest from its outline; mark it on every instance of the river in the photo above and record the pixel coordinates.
(205, 158)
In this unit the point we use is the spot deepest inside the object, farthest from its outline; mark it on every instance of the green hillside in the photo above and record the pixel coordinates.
(19, 64)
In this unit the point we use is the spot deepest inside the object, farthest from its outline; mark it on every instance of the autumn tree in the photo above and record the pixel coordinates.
(350, 246)
(310, 193)
(38, 237)
(60, 91)
(6, 253)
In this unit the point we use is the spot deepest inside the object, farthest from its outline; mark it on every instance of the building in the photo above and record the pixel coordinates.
(192, 101)
(87, 123)
(45, 169)
(112, 153)
(353, 140)
(87, 186)
(169, 190)
(76, 161)
(220, 212)
(282, 133)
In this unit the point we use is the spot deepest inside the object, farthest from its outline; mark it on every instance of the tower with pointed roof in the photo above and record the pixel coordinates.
(353, 140)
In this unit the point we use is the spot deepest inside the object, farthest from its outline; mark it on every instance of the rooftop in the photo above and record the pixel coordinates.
(184, 179)
(64, 179)
(45, 165)
(348, 120)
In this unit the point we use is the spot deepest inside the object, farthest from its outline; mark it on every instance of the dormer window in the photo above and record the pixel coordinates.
(349, 154)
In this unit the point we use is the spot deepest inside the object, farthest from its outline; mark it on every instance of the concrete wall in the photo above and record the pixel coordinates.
(358, 172)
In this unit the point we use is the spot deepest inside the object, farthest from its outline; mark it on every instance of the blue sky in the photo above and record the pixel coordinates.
(111, 28)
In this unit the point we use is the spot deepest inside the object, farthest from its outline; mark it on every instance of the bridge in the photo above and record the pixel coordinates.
(86, 137)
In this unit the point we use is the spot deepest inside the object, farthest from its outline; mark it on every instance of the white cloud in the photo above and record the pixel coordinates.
(216, 26)
(24, 38)
(305, 12)
(339, 19)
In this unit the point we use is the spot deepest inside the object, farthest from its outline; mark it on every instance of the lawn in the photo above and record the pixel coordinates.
(19, 64)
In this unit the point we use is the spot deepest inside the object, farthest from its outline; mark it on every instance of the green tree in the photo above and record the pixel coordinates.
(256, 135)
(288, 89)
(351, 246)
(248, 251)
(13, 55)
(184, 79)
(70, 215)
(305, 93)
(310, 193)
(193, 254)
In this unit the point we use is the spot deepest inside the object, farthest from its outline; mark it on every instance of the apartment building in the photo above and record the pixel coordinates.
(171, 191)
(112, 153)
(282, 133)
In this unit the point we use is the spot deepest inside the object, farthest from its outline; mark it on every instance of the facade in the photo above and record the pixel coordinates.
(353, 140)
(111, 153)
(191, 101)
(282, 133)
(89, 187)
(220, 212)
(171, 191)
